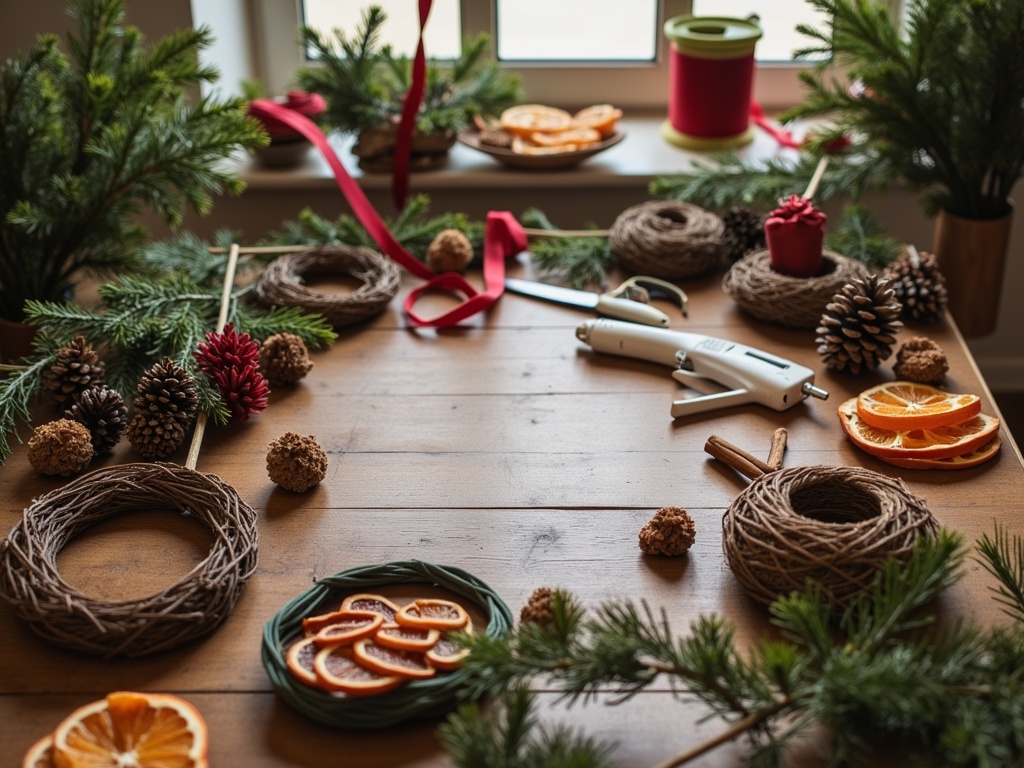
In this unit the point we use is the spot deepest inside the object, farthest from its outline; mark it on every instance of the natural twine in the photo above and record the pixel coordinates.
(833, 525)
(795, 302)
(667, 239)
(189, 608)
(282, 283)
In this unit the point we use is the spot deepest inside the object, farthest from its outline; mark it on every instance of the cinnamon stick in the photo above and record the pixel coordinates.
(746, 464)
(778, 449)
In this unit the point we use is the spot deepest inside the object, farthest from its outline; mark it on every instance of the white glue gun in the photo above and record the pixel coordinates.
(752, 376)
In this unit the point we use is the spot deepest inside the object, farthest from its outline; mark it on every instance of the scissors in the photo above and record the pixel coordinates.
(629, 301)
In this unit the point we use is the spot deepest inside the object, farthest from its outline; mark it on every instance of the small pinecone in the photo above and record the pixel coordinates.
(858, 326)
(450, 251)
(670, 532)
(921, 360)
(538, 608)
(102, 411)
(284, 359)
(76, 368)
(919, 286)
(154, 436)
(167, 392)
(62, 447)
(296, 463)
(743, 232)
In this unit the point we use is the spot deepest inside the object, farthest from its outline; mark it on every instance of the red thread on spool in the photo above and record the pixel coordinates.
(710, 98)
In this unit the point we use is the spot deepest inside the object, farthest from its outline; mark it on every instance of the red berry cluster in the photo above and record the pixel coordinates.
(230, 361)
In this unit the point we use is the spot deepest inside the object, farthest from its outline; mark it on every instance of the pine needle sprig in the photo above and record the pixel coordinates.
(1003, 557)
(581, 261)
(859, 236)
(17, 390)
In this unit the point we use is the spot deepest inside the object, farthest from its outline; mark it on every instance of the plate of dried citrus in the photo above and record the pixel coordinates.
(541, 137)
(375, 646)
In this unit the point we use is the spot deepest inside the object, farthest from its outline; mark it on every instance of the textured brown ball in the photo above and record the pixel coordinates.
(284, 359)
(62, 447)
(296, 463)
(538, 608)
(450, 251)
(670, 532)
(921, 360)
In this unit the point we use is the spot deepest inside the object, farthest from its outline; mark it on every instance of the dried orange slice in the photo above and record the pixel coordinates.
(351, 626)
(939, 443)
(338, 671)
(446, 655)
(909, 405)
(523, 147)
(579, 137)
(300, 660)
(432, 613)
(312, 625)
(142, 730)
(526, 119)
(965, 461)
(364, 601)
(40, 754)
(394, 635)
(391, 661)
(600, 117)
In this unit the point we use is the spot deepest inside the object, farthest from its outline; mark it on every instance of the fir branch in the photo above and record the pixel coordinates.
(582, 261)
(16, 392)
(1003, 557)
(860, 236)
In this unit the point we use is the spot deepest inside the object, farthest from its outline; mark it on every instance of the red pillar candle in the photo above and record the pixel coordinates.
(795, 232)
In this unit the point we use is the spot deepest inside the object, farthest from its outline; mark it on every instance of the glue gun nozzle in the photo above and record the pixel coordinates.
(813, 391)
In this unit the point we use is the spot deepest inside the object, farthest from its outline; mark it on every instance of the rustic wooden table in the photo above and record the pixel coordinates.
(506, 448)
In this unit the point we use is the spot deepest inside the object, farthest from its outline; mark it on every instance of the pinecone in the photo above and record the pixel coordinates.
(61, 447)
(919, 286)
(296, 463)
(538, 608)
(167, 392)
(921, 360)
(76, 368)
(284, 359)
(858, 326)
(102, 411)
(670, 532)
(450, 251)
(154, 436)
(743, 232)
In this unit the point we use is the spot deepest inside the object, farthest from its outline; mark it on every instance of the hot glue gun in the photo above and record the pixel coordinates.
(751, 375)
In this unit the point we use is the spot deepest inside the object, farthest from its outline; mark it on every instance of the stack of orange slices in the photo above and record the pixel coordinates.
(370, 645)
(917, 426)
(538, 129)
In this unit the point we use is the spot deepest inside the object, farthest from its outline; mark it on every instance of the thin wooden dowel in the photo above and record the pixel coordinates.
(531, 232)
(816, 178)
(263, 248)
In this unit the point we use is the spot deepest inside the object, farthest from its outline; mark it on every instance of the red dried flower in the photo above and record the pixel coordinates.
(243, 390)
(229, 349)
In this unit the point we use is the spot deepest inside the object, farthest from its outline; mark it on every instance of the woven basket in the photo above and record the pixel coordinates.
(414, 699)
(795, 302)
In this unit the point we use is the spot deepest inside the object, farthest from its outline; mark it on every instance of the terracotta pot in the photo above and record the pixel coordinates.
(971, 254)
(15, 340)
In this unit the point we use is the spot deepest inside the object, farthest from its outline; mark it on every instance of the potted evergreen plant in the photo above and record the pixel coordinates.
(93, 136)
(365, 83)
(936, 103)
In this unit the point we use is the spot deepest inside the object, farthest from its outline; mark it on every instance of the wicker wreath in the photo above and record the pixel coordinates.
(667, 239)
(833, 525)
(190, 608)
(415, 699)
(282, 282)
(795, 302)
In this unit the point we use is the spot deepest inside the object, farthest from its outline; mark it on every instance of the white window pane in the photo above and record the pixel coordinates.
(576, 30)
(778, 20)
(442, 38)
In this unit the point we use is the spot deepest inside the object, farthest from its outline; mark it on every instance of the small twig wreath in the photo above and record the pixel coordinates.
(667, 239)
(795, 302)
(833, 525)
(190, 608)
(282, 283)
(415, 699)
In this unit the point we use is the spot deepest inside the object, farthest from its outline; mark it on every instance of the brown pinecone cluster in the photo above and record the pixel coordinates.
(296, 463)
(742, 232)
(450, 251)
(918, 286)
(538, 609)
(62, 447)
(76, 368)
(165, 404)
(921, 359)
(284, 359)
(858, 328)
(670, 532)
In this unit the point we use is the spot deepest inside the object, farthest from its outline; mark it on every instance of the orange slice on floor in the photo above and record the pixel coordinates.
(141, 730)
(338, 671)
(300, 660)
(312, 625)
(432, 613)
(526, 119)
(394, 635)
(938, 443)
(40, 754)
(391, 661)
(578, 137)
(365, 601)
(446, 655)
(909, 405)
(600, 117)
(965, 461)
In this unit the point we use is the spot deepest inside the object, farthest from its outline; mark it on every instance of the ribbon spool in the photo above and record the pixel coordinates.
(711, 78)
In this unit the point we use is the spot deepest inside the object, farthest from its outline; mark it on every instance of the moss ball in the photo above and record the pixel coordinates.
(62, 447)
(296, 463)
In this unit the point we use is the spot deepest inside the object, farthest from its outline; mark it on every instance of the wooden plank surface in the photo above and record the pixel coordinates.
(506, 448)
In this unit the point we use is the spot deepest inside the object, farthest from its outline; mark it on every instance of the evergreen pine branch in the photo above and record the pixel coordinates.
(17, 389)
(581, 261)
(859, 236)
(1003, 557)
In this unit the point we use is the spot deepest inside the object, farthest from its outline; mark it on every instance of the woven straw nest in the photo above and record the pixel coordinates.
(833, 525)
(187, 609)
(282, 283)
(667, 239)
(795, 302)
(414, 699)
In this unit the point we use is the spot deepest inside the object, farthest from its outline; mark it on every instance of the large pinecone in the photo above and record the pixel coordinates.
(76, 369)
(858, 327)
(743, 232)
(102, 411)
(919, 286)
(167, 391)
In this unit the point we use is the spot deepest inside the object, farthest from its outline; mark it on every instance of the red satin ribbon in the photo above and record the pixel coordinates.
(503, 235)
(410, 108)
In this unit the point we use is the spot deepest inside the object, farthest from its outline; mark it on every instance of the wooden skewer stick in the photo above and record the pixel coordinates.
(816, 178)
(222, 319)
(746, 464)
(778, 449)
(263, 248)
(531, 232)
